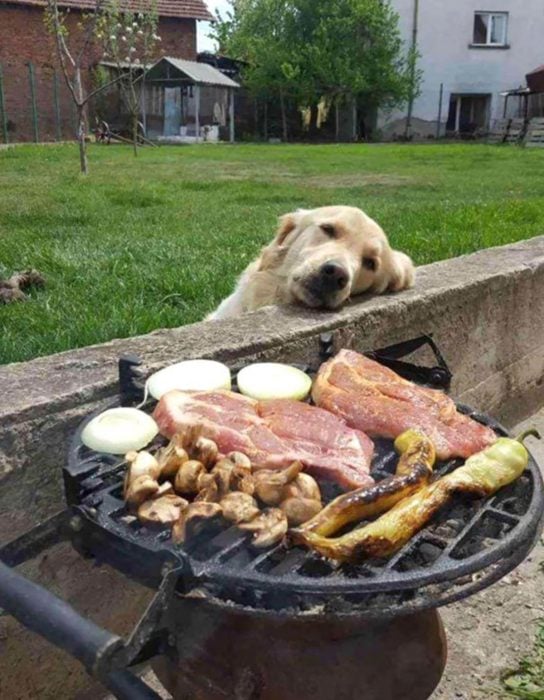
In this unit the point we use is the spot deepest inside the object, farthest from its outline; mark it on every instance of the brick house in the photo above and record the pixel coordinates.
(29, 65)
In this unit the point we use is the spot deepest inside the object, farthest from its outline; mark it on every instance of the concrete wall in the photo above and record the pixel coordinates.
(445, 31)
(485, 311)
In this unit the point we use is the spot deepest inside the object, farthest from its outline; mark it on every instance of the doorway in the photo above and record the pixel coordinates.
(172, 111)
(468, 113)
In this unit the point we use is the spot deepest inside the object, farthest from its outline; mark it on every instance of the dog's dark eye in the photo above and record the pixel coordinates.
(328, 229)
(369, 264)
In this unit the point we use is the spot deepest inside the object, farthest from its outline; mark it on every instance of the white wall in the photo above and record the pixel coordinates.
(445, 30)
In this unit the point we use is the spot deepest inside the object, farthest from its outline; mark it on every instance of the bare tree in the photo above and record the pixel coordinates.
(75, 53)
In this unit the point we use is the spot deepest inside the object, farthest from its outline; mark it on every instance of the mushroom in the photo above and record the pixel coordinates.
(207, 488)
(187, 477)
(223, 473)
(268, 528)
(194, 518)
(140, 489)
(304, 486)
(246, 485)
(299, 510)
(206, 451)
(141, 477)
(239, 459)
(165, 510)
(171, 457)
(270, 484)
(165, 489)
(239, 507)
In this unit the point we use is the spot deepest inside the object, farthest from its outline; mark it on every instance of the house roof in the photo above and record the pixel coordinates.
(193, 72)
(185, 9)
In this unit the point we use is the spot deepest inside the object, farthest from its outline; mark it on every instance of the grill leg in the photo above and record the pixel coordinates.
(222, 655)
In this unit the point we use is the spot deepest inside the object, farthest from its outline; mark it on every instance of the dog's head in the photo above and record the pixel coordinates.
(329, 254)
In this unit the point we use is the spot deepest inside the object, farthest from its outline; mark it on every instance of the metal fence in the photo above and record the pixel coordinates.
(35, 104)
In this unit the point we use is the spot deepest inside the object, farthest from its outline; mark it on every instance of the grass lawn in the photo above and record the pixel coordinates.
(159, 240)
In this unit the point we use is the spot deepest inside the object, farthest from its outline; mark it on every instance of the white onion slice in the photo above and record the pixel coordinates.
(119, 430)
(273, 380)
(189, 375)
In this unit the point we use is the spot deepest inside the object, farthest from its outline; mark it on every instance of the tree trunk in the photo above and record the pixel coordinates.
(135, 133)
(266, 120)
(283, 116)
(81, 123)
(312, 127)
(81, 138)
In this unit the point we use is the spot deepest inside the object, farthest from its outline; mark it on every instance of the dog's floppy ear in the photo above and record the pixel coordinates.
(273, 254)
(287, 223)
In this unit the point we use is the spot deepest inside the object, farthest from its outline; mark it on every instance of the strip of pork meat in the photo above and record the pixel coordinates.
(374, 399)
(272, 434)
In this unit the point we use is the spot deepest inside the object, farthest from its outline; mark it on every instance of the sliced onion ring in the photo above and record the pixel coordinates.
(119, 430)
(273, 380)
(189, 375)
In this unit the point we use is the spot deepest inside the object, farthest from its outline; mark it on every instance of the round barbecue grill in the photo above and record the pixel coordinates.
(468, 545)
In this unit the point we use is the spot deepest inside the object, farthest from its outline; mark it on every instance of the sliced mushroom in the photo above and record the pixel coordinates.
(193, 519)
(187, 477)
(239, 507)
(270, 484)
(304, 486)
(140, 489)
(269, 527)
(206, 451)
(299, 510)
(165, 510)
(171, 457)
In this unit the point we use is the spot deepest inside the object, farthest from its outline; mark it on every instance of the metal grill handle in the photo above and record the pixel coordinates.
(41, 611)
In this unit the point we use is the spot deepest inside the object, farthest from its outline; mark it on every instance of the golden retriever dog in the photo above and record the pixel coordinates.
(320, 258)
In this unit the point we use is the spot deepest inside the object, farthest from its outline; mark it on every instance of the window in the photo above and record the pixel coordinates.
(490, 28)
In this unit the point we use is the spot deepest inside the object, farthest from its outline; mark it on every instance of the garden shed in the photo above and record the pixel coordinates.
(186, 102)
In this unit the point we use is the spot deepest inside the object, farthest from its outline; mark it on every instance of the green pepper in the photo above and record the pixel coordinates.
(482, 475)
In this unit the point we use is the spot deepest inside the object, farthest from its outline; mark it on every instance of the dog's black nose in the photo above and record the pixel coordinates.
(332, 277)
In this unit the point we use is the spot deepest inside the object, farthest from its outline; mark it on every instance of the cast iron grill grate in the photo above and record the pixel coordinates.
(467, 546)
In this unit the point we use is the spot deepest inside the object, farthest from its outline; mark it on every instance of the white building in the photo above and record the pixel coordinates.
(475, 50)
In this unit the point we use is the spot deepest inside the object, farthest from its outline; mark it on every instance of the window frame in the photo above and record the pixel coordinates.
(490, 14)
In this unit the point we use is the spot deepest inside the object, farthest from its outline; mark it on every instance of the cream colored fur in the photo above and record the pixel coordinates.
(306, 240)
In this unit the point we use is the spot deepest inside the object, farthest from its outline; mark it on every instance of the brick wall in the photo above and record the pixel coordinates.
(23, 38)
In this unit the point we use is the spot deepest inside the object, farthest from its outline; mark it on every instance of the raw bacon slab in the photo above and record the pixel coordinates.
(374, 399)
(272, 433)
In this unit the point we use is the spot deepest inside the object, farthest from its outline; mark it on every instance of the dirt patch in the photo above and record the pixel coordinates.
(490, 632)
(357, 180)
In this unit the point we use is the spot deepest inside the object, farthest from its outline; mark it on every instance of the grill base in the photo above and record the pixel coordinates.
(232, 655)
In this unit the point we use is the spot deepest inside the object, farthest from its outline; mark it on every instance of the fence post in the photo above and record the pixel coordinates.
(3, 108)
(58, 132)
(33, 100)
(439, 120)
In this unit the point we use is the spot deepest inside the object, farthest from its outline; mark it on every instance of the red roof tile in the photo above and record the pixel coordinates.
(191, 9)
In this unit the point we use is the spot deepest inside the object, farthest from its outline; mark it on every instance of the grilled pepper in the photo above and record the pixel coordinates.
(414, 468)
(482, 475)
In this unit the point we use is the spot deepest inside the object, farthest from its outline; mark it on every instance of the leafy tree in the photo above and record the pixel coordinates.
(312, 50)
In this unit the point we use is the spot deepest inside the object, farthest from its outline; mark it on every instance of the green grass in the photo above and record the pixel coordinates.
(158, 241)
(527, 681)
